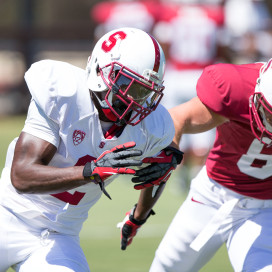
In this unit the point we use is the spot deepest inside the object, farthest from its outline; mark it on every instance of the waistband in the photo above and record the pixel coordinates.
(230, 199)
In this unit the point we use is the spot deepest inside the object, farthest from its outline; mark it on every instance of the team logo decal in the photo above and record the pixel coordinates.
(102, 144)
(78, 136)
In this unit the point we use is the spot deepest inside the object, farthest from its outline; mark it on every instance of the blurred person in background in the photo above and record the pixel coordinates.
(12, 68)
(83, 129)
(110, 15)
(249, 30)
(230, 200)
(190, 33)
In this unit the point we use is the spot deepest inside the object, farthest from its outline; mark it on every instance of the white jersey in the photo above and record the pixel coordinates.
(62, 113)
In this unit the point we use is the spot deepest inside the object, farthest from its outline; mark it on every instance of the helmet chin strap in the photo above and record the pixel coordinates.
(107, 111)
(105, 108)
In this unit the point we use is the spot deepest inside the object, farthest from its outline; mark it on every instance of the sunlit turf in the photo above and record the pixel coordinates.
(100, 238)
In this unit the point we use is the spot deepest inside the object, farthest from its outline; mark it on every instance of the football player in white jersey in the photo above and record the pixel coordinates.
(230, 200)
(83, 129)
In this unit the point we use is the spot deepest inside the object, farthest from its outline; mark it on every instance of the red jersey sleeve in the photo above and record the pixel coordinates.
(226, 88)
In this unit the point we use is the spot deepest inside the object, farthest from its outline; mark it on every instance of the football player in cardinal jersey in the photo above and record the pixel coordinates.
(230, 200)
(190, 33)
(83, 129)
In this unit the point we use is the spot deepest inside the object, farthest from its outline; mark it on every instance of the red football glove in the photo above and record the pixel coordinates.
(129, 227)
(160, 169)
(112, 162)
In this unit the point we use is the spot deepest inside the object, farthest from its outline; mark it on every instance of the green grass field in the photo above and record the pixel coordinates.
(100, 238)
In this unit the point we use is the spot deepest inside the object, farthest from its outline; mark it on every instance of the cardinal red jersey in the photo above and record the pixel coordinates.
(237, 160)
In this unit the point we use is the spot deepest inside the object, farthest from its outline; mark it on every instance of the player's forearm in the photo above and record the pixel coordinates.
(193, 117)
(46, 179)
(146, 201)
(180, 122)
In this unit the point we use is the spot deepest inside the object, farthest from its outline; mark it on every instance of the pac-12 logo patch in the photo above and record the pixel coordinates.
(78, 136)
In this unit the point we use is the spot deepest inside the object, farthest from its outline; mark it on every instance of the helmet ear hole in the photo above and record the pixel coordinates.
(97, 69)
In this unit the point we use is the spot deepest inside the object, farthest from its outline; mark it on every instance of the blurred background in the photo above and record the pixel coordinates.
(193, 34)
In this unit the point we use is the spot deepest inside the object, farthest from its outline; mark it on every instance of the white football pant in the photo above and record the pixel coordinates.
(29, 249)
(210, 216)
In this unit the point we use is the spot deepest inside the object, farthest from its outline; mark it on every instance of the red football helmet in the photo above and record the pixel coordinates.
(260, 104)
(127, 64)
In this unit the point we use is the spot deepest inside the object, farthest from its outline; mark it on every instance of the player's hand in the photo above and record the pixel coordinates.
(129, 227)
(160, 168)
(112, 162)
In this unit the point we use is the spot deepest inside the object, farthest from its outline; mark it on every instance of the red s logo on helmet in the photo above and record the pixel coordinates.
(111, 42)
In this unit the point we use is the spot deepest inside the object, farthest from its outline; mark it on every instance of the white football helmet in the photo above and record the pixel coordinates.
(128, 64)
(261, 105)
